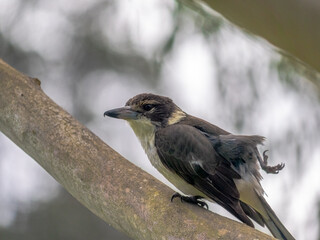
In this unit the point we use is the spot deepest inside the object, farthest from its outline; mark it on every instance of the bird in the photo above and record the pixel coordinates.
(202, 160)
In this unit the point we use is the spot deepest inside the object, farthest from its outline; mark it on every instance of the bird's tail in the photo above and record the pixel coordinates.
(273, 223)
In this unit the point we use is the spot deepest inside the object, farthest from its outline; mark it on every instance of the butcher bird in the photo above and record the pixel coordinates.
(203, 161)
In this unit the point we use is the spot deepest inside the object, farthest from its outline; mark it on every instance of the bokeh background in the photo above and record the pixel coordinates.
(93, 55)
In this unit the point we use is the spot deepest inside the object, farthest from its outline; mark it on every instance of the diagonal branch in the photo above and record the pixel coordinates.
(114, 189)
(289, 25)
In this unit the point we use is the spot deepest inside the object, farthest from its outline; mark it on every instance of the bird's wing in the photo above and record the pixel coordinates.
(241, 151)
(185, 151)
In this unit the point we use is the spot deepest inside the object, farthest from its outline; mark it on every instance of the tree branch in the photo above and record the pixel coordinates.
(289, 25)
(114, 189)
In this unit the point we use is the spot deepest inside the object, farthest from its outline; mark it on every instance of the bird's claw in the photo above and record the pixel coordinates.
(270, 169)
(175, 195)
(190, 199)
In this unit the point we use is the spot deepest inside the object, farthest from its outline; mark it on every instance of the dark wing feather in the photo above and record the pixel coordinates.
(186, 151)
(236, 148)
(240, 151)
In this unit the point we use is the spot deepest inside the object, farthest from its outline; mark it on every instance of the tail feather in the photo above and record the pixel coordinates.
(257, 208)
(253, 214)
(274, 224)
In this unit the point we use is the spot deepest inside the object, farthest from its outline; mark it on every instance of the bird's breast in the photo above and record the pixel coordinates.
(146, 135)
(145, 132)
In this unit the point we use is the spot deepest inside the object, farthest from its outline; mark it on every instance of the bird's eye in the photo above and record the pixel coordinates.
(147, 107)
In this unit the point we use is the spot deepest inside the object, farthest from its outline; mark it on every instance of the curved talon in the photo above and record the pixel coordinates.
(278, 167)
(175, 195)
(270, 169)
(191, 199)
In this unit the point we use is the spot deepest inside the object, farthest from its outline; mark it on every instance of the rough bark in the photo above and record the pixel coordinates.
(114, 189)
(292, 26)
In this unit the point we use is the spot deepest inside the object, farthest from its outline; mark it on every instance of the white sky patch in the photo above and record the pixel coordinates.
(43, 31)
(144, 24)
(189, 74)
(8, 10)
(74, 6)
(237, 49)
(279, 112)
(305, 195)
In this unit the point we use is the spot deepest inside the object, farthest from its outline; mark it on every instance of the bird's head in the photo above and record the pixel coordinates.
(149, 108)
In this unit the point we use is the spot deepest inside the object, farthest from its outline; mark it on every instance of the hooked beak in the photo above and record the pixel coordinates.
(125, 113)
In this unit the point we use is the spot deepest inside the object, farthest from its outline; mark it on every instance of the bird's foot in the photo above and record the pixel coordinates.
(270, 169)
(190, 199)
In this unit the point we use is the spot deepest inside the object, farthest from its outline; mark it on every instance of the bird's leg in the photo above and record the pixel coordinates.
(269, 169)
(190, 199)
